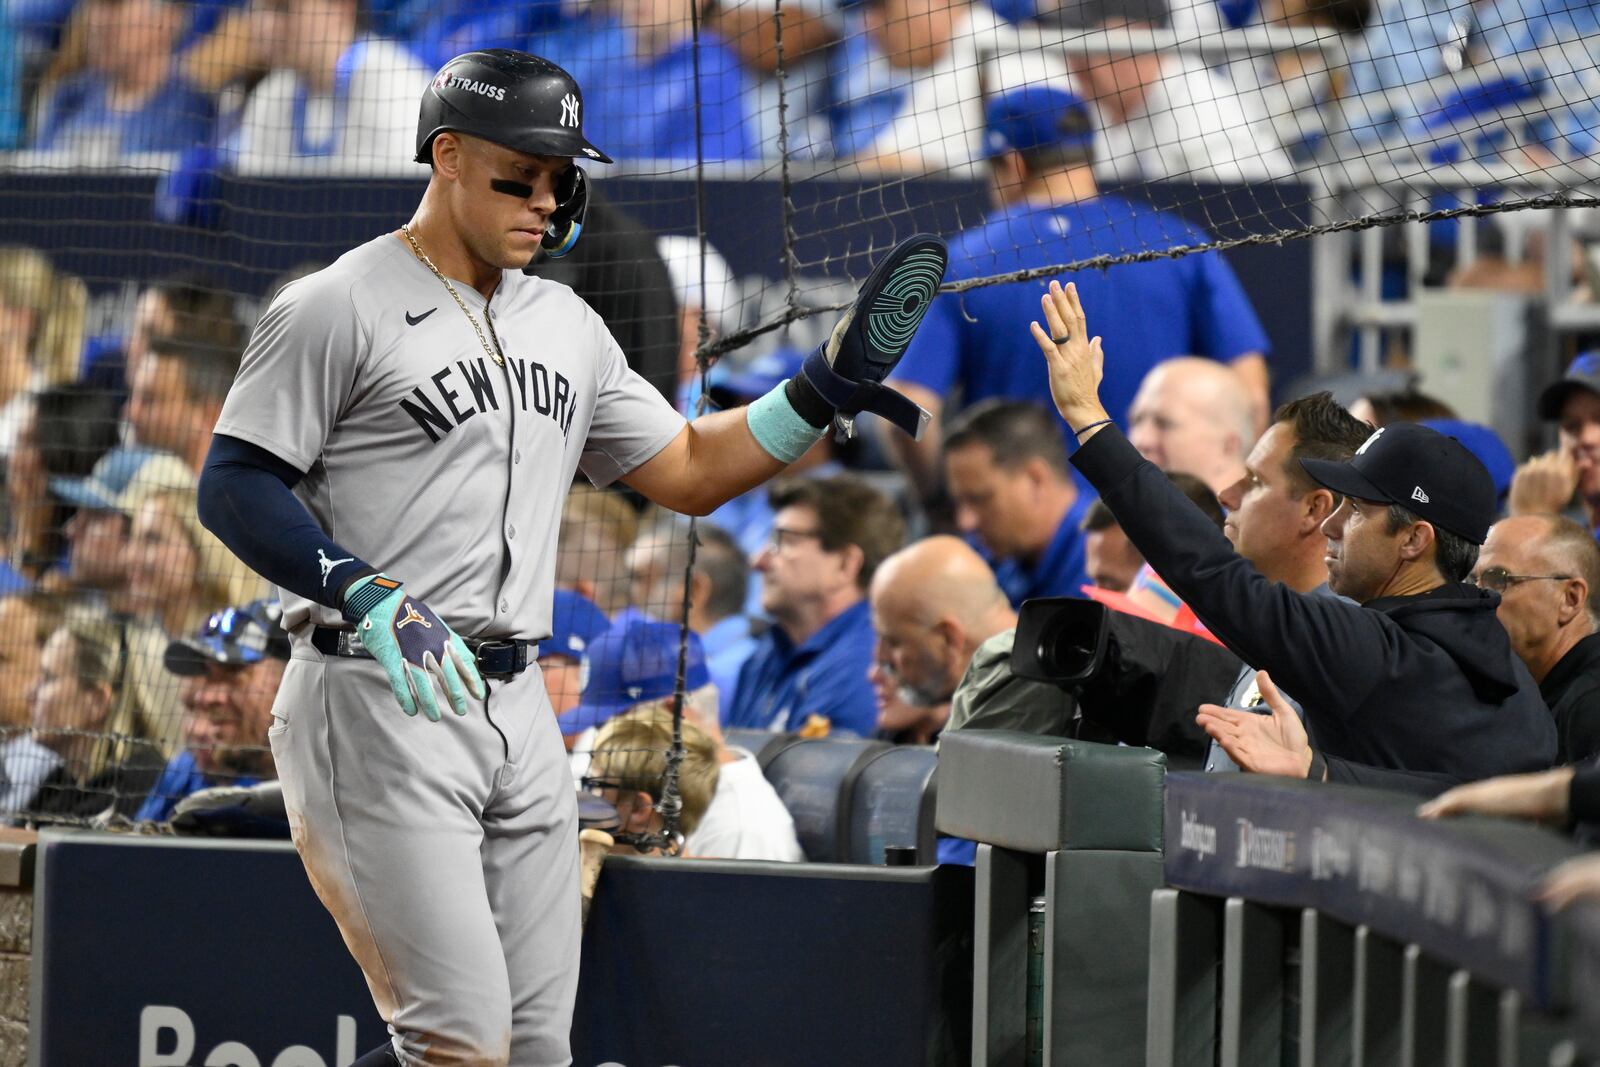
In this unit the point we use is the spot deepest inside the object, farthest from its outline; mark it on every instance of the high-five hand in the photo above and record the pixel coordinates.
(1076, 361)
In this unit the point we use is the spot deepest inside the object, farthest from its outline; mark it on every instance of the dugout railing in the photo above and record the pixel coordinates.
(1311, 924)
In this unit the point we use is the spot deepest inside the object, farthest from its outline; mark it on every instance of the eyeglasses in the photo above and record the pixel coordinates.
(1499, 579)
(782, 535)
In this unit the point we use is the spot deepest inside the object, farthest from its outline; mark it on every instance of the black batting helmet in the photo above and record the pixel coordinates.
(508, 97)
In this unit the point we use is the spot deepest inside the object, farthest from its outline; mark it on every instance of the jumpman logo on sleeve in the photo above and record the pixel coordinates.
(327, 565)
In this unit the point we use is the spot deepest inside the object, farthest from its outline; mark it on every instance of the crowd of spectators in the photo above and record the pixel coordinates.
(896, 85)
(1425, 633)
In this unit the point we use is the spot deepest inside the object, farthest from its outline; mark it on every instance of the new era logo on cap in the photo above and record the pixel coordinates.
(1418, 495)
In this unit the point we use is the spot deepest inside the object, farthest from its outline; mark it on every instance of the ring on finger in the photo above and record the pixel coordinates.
(1063, 339)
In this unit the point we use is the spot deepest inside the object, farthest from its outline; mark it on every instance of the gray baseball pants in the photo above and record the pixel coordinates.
(447, 853)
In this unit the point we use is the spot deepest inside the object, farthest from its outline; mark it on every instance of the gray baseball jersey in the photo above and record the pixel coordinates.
(424, 457)
(446, 851)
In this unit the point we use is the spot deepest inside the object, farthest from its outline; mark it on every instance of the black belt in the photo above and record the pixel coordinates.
(498, 657)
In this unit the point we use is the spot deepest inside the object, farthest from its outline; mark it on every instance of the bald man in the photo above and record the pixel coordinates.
(1547, 571)
(933, 603)
(1194, 416)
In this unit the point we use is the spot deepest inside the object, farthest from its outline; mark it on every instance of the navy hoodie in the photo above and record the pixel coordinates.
(1416, 692)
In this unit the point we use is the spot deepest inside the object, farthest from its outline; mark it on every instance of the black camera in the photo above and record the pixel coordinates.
(1060, 640)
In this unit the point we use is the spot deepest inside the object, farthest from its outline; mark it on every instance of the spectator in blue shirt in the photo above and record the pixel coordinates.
(229, 674)
(575, 623)
(639, 87)
(128, 99)
(1014, 494)
(828, 538)
(635, 660)
(1040, 152)
(716, 597)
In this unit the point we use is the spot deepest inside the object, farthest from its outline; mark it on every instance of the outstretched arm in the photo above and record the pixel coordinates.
(712, 460)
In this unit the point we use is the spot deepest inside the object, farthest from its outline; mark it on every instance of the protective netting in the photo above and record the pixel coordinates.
(170, 165)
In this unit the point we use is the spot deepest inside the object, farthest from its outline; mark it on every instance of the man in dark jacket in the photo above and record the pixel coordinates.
(1547, 571)
(1415, 685)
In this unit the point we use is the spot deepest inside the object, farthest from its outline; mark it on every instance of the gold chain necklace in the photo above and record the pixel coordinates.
(494, 353)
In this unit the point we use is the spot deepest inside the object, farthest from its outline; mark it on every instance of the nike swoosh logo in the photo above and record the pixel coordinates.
(412, 320)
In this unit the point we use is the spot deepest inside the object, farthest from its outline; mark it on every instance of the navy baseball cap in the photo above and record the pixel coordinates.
(1582, 373)
(237, 636)
(730, 386)
(633, 662)
(1433, 476)
(110, 478)
(1034, 117)
(575, 621)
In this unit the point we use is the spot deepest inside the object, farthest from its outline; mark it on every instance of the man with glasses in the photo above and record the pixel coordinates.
(1547, 572)
(828, 537)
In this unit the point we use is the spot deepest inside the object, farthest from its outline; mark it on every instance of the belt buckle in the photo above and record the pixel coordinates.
(350, 640)
(504, 652)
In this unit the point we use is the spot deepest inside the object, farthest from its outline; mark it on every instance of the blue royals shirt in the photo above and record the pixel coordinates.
(1147, 312)
(1059, 571)
(176, 117)
(180, 778)
(645, 108)
(782, 683)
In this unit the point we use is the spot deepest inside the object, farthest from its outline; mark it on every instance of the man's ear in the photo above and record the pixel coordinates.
(1416, 541)
(699, 590)
(641, 815)
(1574, 600)
(1318, 505)
(447, 155)
(852, 559)
(1038, 472)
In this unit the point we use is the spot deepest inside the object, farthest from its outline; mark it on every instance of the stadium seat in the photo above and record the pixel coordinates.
(816, 780)
(893, 804)
(762, 744)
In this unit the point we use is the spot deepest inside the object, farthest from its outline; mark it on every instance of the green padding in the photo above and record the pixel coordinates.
(1040, 794)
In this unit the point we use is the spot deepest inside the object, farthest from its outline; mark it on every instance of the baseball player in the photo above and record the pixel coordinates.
(394, 455)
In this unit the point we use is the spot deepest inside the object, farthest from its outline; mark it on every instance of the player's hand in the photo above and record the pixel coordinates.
(414, 646)
(1075, 360)
(1266, 744)
(1544, 485)
(1541, 797)
(849, 368)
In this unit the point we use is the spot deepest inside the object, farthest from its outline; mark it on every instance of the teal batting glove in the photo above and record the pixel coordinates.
(414, 646)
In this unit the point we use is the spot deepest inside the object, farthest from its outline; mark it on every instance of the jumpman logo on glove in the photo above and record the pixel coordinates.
(416, 659)
(411, 616)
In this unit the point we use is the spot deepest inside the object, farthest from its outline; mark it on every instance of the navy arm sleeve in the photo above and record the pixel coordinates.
(1309, 644)
(247, 499)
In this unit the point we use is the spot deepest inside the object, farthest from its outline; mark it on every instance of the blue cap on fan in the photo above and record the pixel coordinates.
(1034, 117)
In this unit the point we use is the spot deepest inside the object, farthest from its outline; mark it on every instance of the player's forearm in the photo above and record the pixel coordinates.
(246, 498)
(713, 460)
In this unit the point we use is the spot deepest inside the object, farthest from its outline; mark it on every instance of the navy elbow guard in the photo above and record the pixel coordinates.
(848, 370)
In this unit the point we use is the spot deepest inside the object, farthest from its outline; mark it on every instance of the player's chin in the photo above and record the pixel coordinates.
(522, 247)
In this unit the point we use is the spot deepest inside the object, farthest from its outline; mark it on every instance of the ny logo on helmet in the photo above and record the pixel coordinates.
(569, 110)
